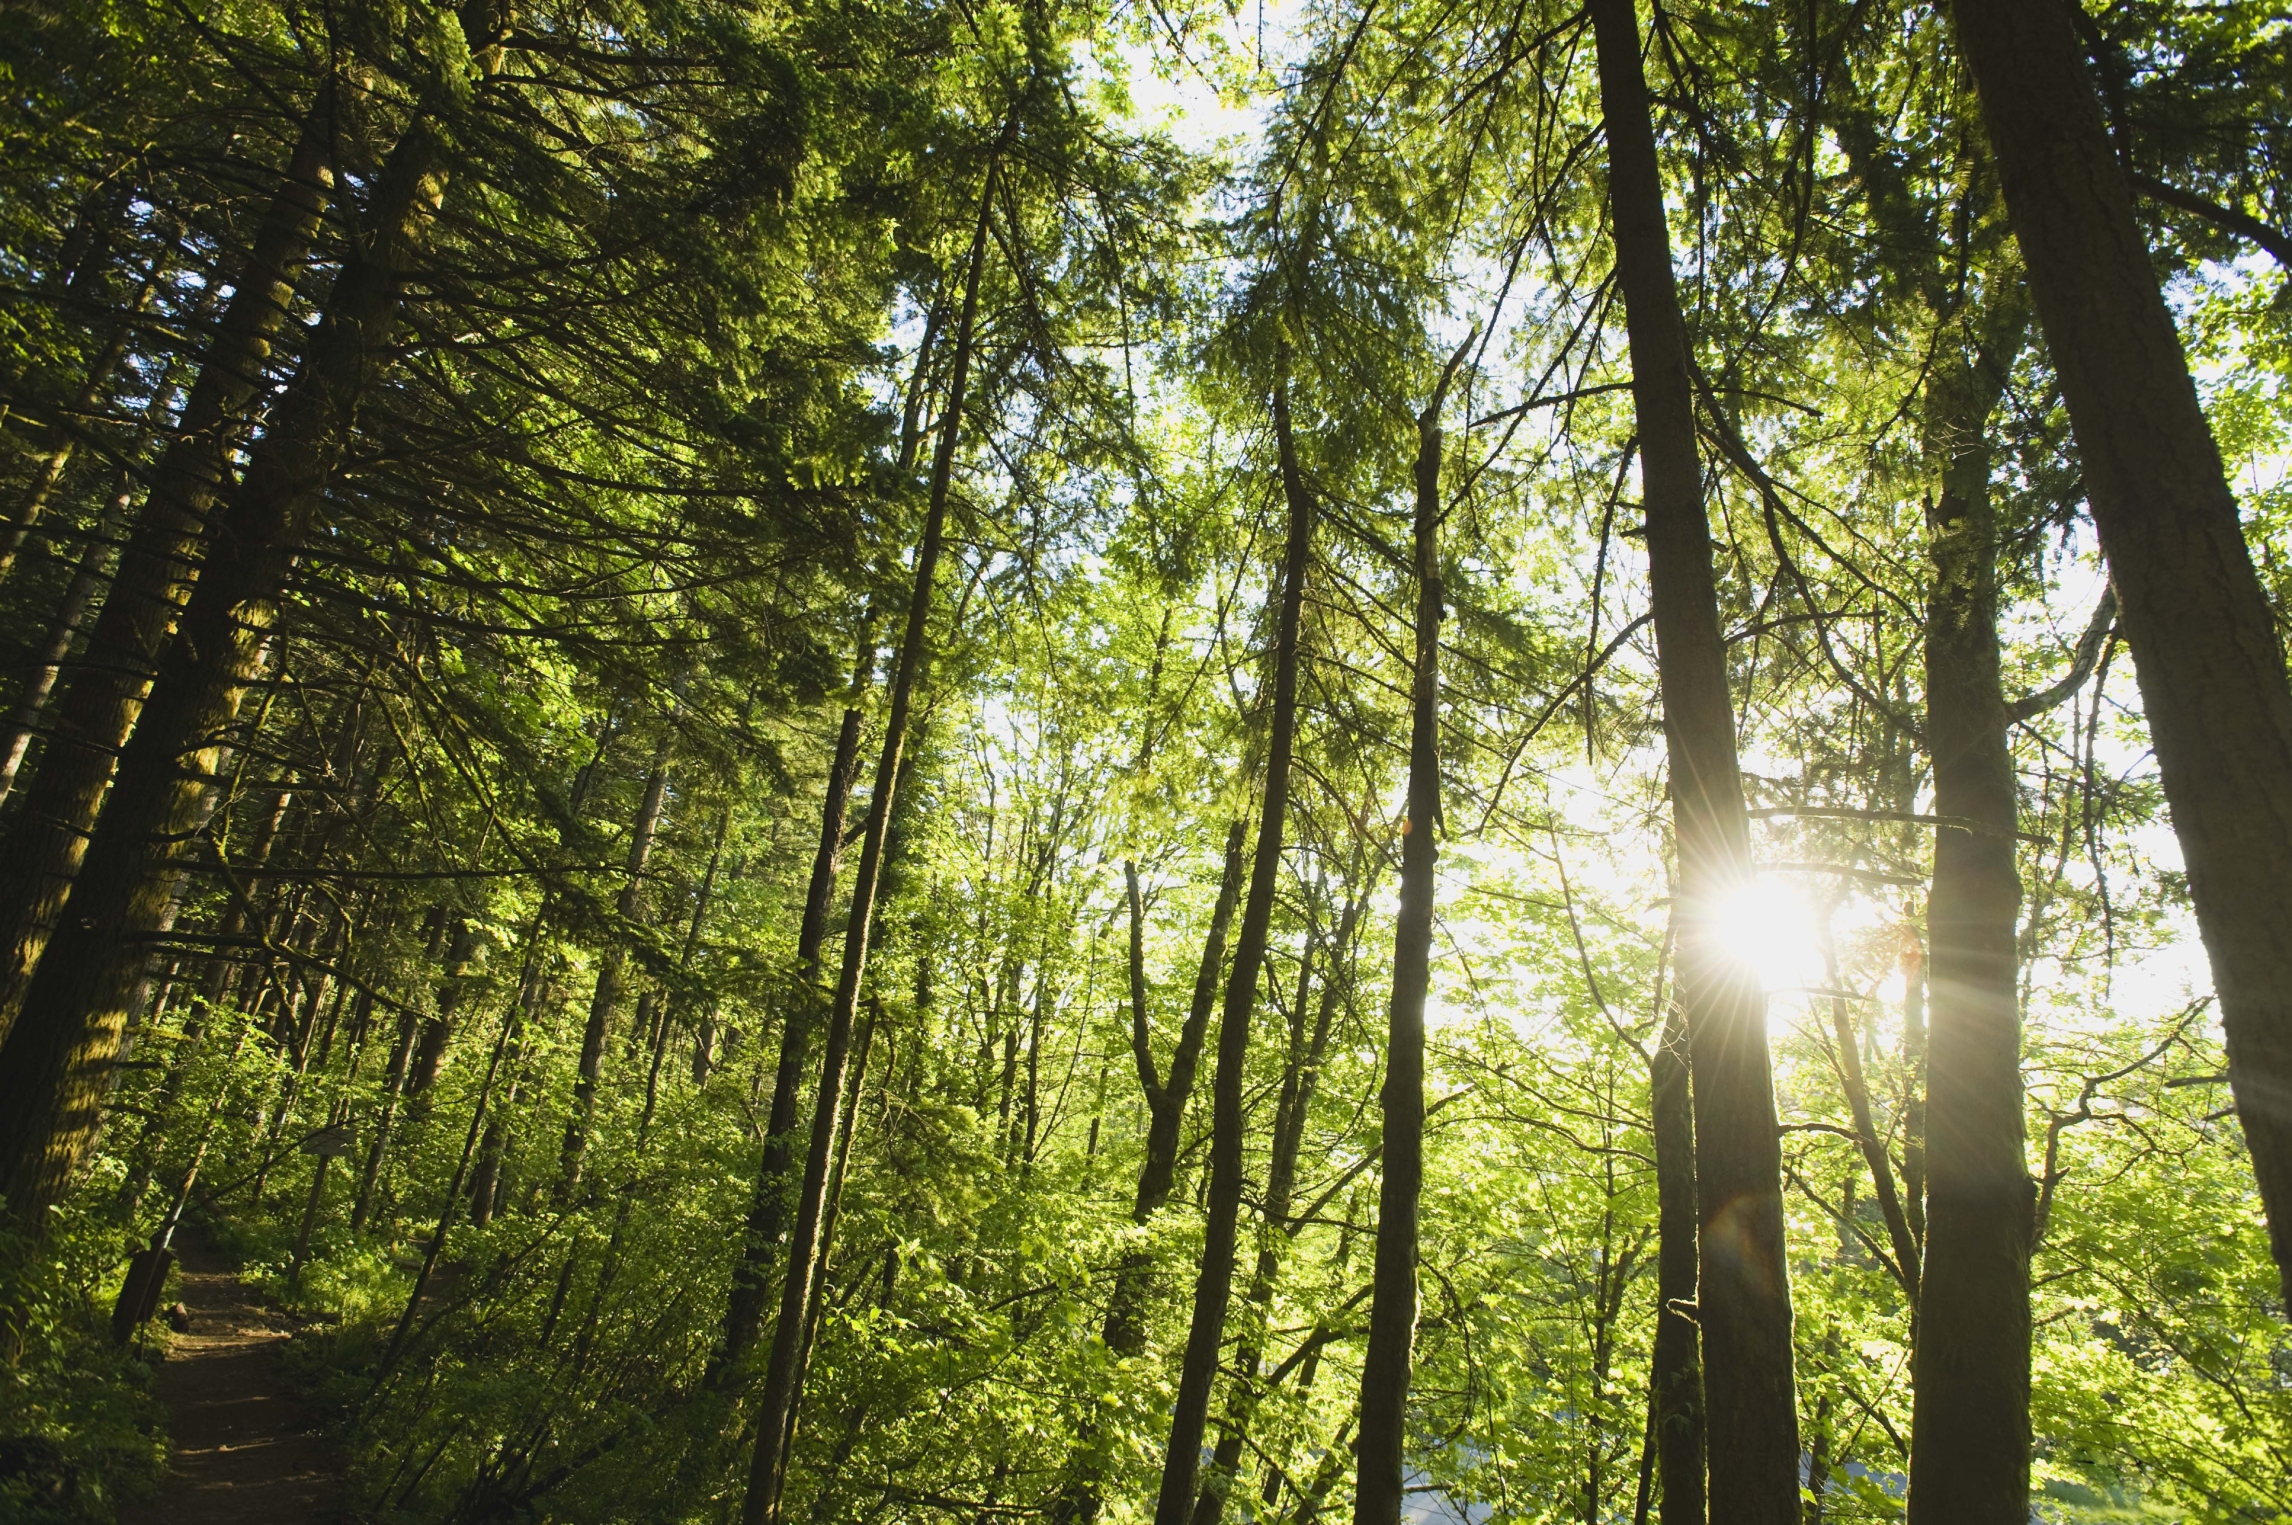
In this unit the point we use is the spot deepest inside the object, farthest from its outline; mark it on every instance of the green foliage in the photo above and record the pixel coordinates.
(635, 492)
(80, 1432)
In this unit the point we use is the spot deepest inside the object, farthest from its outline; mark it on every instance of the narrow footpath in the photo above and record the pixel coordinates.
(245, 1450)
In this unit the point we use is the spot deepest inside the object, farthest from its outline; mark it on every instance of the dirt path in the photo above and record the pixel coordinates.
(245, 1450)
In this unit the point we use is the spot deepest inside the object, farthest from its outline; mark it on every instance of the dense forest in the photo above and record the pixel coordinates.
(975, 760)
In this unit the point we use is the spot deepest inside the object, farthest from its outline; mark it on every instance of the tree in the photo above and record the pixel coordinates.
(1743, 1295)
(2212, 671)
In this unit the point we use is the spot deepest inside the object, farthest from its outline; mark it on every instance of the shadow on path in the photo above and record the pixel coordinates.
(245, 1450)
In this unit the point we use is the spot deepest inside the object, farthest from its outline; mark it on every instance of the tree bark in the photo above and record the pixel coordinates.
(1675, 1374)
(607, 993)
(1744, 1302)
(57, 1061)
(99, 705)
(768, 1201)
(2212, 675)
(438, 1027)
(776, 1406)
(1970, 1432)
(1213, 1287)
(846, 1126)
(1385, 1369)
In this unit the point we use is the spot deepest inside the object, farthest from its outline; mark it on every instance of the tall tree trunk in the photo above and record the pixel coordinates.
(1970, 1436)
(768, 1201)
(607, 993)
(776, 1406)
(1744, 1301)
(1377, 1494)
(1166, 1094)
(704, 1028)
(57, 1061)
(1213, 1286)
(1166, 1099)
(486, 1183)
(846, 1126)
(209, 1003)
(1913, 966)
(2213, 684)
(1300, 1078)
(1675, 1367)
(1908, 1256)
(99, 705)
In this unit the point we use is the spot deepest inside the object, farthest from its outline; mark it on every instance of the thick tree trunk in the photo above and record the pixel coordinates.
(99, 705)
(1213, 1287)
(775, 1415)
(57, 1062)
(1377, 1494)
(1744, 1302)
(768, 1201)
(2212, 674)
(1675, 1375)
(607, 993)
(1970, 1436)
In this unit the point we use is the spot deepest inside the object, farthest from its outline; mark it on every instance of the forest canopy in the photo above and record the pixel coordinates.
(1039, 759)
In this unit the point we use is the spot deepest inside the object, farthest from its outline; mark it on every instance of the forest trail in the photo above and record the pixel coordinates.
(245, 1449)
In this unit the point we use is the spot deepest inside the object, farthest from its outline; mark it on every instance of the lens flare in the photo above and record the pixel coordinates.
(1767, 928)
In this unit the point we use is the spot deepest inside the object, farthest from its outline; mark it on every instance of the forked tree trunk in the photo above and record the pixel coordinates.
(2213, 685)
(1213, 1287)
(1745, 1305)
(1167, 1094)
(98, 706)
(1166, 1098)
(775, 1415)
(1970, 1433)
(1377, 1494)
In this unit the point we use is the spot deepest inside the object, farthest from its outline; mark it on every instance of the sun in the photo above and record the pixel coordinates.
(1769, 929)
